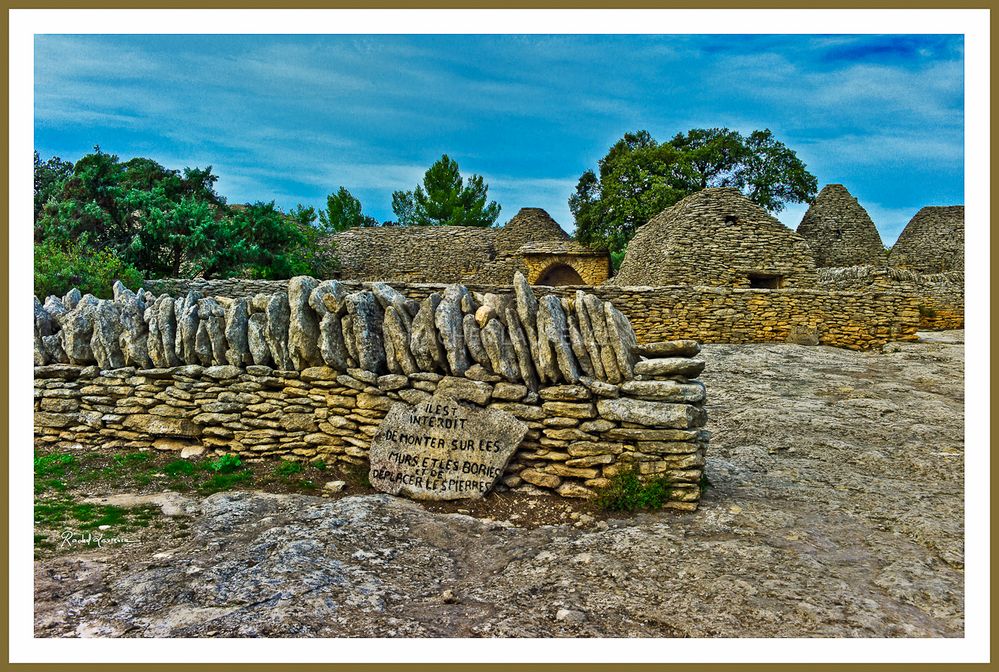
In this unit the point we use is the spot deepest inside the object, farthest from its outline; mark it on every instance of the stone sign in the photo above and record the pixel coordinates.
(442, 449)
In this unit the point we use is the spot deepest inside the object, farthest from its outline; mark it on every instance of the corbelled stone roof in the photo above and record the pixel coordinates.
(839, 230)
(715, 236)
(527, 226)
(932, 241)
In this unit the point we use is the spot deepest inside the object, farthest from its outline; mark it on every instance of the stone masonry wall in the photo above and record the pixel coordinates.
(856, 317)
(853, 320)
(939, 296)
(414, 254)
(484, 255)
(592, 270)
(310, 369)
(578, 436)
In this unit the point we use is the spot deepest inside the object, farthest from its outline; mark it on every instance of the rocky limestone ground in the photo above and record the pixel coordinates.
(836, 510)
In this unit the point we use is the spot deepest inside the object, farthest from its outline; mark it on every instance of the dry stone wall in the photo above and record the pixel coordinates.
(310, 370)
(854, 320)
(307, 323)
(939, 296)
(839, 231)
(529, 225)
(855, 316)
(414, 254)
(578, 436)
(543, 262)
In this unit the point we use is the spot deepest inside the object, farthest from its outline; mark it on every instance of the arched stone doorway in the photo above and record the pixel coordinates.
(559, 274)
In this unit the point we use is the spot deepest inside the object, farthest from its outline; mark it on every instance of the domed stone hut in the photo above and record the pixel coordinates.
(528, 226)
(717, 237)
(932, 241)
(840, 232)
(531, 242)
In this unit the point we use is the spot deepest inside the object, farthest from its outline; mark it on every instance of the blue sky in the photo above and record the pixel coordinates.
(290, 118)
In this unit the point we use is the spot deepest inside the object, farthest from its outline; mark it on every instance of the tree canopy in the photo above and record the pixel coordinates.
(343, 211)
(168, 223)
(445, 199)
(639, 177)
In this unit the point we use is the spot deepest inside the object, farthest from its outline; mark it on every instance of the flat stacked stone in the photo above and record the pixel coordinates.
(576, 438)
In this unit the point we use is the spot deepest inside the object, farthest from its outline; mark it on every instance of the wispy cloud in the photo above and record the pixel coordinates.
(293, 117)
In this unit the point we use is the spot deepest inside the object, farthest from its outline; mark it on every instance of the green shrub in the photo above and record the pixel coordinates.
(288, 468)
(178, 468)
(124, 460)
(225, 464)
(59, 268)
(627, 492)
(616, 259)
(224, 481)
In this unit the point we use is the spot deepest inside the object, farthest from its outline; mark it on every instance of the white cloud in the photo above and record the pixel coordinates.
(930, 145)
(890, 220)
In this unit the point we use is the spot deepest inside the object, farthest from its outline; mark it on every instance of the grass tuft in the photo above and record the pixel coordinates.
(288, 468)
(53, 465)
(627, 492)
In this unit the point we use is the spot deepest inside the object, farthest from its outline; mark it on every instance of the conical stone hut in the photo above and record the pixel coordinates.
(529, 225)
(932, 241)
(840, 232)
(717, 237)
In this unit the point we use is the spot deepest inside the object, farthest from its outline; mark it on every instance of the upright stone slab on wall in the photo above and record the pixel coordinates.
(442, 449)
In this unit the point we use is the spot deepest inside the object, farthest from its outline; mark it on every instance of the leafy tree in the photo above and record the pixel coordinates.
(316, 255)
(712, 155)
(174, 237)
(445, 199)
(640, 177)
(60, 267)
(303, 216)
(87, 206)
(49, 176)
(343, 211)
(772, 174)
(404, 207)
(169, 223)
(256, 239)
